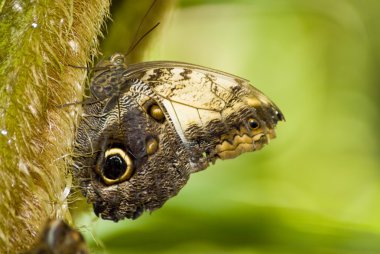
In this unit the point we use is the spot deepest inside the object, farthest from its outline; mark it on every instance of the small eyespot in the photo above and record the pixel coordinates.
(151, 146)
(117, 166)
(253, 124)
(156, 113)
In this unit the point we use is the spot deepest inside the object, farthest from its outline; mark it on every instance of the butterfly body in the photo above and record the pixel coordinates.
(59, 237)
(166, 121)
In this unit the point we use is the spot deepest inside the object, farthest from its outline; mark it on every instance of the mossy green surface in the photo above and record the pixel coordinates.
(39, 40)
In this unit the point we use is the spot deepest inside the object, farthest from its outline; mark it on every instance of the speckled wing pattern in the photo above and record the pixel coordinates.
(146, 127)
(199, 100)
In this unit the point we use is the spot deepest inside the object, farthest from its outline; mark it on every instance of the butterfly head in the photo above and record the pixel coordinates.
(116, 59)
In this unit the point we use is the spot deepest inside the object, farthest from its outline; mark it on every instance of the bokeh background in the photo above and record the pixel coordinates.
(316, 187)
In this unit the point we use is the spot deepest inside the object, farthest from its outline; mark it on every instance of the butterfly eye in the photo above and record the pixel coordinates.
(117, 166)
(156, 113)
(117, 59)
(253, 124)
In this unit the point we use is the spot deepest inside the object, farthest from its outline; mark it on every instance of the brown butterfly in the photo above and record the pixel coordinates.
(146, 127)
(59, 237)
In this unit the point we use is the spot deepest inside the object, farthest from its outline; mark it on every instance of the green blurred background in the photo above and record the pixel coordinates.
(316, 187)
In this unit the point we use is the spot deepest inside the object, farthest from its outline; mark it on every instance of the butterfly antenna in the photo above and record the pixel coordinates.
(140, 25)
(142, 37)
(142, 20)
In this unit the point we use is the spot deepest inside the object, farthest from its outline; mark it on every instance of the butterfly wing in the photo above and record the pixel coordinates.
(208, 107)
(169, 119)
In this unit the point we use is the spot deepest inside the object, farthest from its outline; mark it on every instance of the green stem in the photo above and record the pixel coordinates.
(40, 39)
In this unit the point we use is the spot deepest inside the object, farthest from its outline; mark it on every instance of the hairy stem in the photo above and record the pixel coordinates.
(40, 39)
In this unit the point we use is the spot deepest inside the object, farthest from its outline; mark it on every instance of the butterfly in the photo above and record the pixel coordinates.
(59, 237)
(146, 127)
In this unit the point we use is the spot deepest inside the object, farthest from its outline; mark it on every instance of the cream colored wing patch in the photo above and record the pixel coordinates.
(196, 97)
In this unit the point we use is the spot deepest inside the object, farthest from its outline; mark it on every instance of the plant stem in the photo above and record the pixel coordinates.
(40, 39)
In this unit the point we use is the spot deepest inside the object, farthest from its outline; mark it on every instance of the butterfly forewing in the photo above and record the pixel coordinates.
(202, 101)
